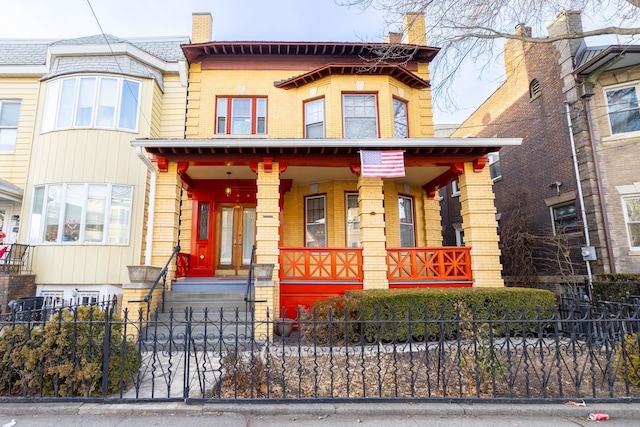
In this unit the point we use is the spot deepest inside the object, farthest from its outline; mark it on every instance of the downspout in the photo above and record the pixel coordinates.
(596, 163)
(152, 203)
(580, 196)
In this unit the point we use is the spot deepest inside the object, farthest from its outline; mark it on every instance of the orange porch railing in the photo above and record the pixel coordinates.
(441, 265)
(337, 264)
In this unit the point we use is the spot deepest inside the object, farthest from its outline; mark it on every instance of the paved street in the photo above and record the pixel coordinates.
(347, 414)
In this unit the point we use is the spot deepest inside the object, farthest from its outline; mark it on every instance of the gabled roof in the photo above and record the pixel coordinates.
(399, 73)
(194, 52)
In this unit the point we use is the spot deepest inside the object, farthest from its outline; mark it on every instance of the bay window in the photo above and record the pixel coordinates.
(81, 213)
(241, 116)
(92, 102)
(400, 123)
(314, 119)
(360, 116)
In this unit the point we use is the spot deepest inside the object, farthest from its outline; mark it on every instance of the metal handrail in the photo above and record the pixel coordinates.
(163, 276)
(247, 292)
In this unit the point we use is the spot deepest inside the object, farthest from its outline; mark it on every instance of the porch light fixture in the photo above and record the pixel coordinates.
(227, 190)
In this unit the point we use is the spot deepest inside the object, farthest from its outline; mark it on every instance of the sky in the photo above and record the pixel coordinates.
(241, 20)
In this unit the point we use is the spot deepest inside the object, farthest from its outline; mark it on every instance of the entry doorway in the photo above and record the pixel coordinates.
(236, 236)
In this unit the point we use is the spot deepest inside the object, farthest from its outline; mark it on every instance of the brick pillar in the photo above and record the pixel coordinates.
(267, 241)
(480, 226)
(432, 220)
(372, 233)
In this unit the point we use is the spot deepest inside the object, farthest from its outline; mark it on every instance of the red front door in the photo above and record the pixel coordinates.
(201, 263)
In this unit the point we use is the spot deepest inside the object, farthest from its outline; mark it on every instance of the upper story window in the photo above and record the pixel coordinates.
(407, 230)
(315, 222)
(494, 166)
(241, 116)
(632, 219)
(314, 119)
(9, 115)
(624, 112)
(455, 189)
(81, 213)
(360, 116)
(564, 218)
(92, 102)
(400, 122)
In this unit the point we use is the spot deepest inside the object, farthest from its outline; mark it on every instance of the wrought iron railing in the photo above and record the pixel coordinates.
(162, 278)
(207, 356)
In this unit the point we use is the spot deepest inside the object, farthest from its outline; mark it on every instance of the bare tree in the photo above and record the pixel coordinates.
(467, 30)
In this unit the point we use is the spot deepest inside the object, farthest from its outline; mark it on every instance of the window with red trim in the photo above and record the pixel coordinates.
(241, 116)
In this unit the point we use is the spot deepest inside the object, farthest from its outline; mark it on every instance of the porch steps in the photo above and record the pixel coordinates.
(201, 313)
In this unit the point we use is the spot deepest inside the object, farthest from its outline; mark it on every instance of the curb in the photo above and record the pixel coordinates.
(423, 409)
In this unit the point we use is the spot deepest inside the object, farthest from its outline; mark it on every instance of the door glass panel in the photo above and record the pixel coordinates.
(248, 233)
(226, 236)
(203, 229)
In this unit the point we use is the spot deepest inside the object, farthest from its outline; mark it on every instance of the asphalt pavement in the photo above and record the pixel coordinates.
(388, 414)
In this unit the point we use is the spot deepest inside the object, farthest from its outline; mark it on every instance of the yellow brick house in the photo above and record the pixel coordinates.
(271, 157)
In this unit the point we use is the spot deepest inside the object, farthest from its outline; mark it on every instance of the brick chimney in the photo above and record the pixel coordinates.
(414, 29)
(394, 38)
(201, 28)
(514, 49)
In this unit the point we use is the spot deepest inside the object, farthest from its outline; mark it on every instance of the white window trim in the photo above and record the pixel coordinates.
(306, 119)
(494, 157)
(455, 190)
(627, 221)
(306, 218)
(346, 219)
(39, 238)
(412, 223)
(52, 106)
(11, 101)
(459, 232)
(621, 135)
(344, 116)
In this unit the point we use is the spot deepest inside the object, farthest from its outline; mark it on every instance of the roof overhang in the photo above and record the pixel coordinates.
(612, 58)
(10, 192)
(195, 52)
(398, 72)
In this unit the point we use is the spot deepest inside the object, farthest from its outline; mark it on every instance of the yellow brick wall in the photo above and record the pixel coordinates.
(285, 107)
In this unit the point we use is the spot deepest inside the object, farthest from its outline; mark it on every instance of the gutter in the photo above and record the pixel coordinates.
(152, 202)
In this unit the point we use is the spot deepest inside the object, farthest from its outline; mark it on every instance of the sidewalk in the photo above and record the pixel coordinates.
(390, 414)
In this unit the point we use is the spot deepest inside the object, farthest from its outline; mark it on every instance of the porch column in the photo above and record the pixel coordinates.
(432, 220)
(480, 226)
(267, 241)
(372, 233)
(167, 212)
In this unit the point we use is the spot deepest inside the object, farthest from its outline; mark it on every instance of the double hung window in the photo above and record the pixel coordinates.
(9, 115)
(352, 220)
(241, 116)
(360, 116)
(315, 222)
(407, 230)
(92, 102)
(494, 166)
(632, 219)
(314, 119)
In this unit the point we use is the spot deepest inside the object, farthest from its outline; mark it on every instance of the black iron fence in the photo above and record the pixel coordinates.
(88, 353)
